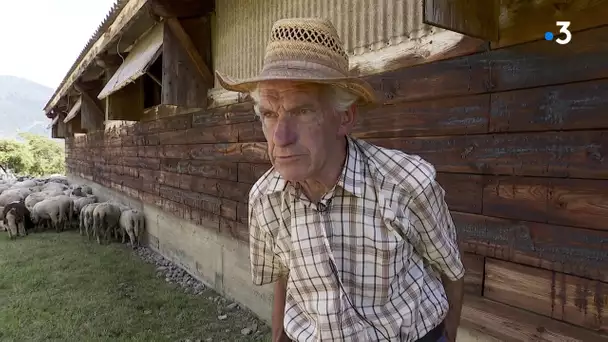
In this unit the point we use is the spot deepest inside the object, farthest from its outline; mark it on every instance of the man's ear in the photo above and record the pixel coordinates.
(347, 120)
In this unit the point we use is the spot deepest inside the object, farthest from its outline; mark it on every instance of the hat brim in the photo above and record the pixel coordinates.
(353, 84)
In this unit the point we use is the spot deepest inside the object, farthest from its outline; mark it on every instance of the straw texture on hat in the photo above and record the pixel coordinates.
(307, 50)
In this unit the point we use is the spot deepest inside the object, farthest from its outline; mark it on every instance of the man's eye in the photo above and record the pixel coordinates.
(268, 114)
(303, 111)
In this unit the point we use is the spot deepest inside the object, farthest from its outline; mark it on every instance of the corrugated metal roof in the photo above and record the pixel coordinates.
(110, 17)
(239, 37)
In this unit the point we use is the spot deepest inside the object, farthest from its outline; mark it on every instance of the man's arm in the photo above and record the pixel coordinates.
(454, 290)
(436, 241)
(278, 311)
(266, 268)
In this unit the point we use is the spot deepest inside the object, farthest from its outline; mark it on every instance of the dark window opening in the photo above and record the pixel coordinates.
(151, 80)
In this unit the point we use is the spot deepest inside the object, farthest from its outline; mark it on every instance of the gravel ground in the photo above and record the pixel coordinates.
(255, 330)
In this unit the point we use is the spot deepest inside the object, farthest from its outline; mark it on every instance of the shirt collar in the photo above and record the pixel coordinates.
(351, 177)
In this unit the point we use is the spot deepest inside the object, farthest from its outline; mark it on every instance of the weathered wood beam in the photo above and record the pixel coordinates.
(475, 18)
(181, 8)
(524, 21)
(126, 15)
(184, 39)
(107, 61)
(91, 99)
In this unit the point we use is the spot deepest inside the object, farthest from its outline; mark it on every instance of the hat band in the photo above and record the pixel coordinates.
(299, 69)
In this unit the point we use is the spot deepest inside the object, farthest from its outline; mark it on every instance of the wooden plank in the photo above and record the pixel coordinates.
(180, 8)
(579, 203)
(241, 112)
(238, 192)
(462, 192)
(563, 107)
(568, 298)
(577, 251)
(227, 171)
(572, 202)
(498, 322)
(182, 81)
(518, 198)
(200, 135)
(142, 163)
(184, 39)
(242, 213)
(230, 152)
(250, 173)
(433, 46)
(534, 64)
(173, 123)
(165, 110)
(523, 21)
(249, 131)
(236, 230)
(460, 115)
(475, 18)
(466, 75)
(473, 276)
(128, 13)
(556, 154)
(126, 103)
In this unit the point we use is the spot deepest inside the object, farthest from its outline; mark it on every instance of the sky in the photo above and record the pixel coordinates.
(40, 39)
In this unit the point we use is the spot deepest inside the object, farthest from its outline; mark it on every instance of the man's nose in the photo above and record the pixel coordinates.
(284, 132)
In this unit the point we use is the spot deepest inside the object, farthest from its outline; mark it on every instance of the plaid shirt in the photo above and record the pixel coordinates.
(377, 242)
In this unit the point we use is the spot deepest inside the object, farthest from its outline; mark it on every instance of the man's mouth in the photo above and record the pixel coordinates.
(287, 158)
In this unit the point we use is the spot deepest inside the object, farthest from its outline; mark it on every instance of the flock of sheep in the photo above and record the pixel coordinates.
(38, 204)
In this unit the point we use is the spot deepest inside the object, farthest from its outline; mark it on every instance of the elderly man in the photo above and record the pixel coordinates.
(357, 238)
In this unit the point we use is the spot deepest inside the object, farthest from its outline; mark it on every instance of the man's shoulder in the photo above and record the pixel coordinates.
(261, 187)
(397, 168)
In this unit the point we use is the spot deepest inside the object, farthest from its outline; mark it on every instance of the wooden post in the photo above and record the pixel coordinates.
(181, 8)
(475, 18)
(92, 111)
(59, 130)
(186, 74)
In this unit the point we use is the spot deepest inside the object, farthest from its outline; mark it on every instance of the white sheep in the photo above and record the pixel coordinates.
(36, 197)
(105, 221)
(86, 219)
(80, 202)
(14, 195)
(49, 211)
(132, 223)
(66, 205)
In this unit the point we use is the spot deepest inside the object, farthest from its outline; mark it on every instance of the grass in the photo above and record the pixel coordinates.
(59, 287)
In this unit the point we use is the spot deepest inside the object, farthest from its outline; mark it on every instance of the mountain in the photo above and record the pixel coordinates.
(21, 103)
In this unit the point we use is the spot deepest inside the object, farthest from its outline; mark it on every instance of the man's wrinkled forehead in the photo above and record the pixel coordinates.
(279, 91)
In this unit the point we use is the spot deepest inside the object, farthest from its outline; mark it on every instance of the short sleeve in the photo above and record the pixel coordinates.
(266, 266)
(433, 231)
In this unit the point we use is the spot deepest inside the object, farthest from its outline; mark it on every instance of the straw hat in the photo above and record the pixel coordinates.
(308, 50)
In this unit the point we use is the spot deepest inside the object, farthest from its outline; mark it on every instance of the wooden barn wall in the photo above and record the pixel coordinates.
(518, 135)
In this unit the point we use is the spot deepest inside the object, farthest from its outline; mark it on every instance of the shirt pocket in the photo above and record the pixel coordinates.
(377, 254)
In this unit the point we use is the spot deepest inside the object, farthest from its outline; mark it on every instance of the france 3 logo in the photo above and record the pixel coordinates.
(563, 30)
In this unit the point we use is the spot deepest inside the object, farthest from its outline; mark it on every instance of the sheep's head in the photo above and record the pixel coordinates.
(34, 216)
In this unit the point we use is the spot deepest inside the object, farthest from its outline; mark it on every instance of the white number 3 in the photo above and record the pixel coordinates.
(564, 29)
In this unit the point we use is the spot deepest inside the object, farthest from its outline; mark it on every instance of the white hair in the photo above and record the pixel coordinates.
(339, 98)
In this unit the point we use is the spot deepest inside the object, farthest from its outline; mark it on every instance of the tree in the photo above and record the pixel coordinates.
(36, 156)
(14, 156)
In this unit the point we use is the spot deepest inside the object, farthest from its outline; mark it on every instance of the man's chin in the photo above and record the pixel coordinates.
(292, 173)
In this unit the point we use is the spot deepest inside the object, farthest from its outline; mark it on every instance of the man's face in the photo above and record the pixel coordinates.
(301, 129)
